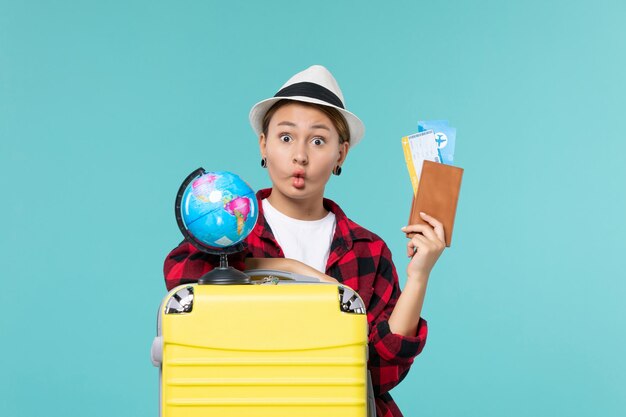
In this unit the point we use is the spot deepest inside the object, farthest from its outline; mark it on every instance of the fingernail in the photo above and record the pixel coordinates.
(423, 214)
(403, 227)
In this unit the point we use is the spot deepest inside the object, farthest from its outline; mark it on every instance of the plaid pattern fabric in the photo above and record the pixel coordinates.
(359, 259)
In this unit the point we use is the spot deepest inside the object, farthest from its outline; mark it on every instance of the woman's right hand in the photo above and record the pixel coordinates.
(289, 265)
(426, 245)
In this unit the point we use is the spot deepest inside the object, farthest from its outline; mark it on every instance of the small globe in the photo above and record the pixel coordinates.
(218, 209)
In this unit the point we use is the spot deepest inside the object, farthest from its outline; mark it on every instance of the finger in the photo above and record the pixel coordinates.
(424, 229)
(410, 235)
(436, 224)
(418, 241)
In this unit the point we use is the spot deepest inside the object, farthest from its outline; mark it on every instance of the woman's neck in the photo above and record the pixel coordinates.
(305, 209)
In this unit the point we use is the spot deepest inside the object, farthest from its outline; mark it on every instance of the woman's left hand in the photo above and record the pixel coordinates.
(426, 245)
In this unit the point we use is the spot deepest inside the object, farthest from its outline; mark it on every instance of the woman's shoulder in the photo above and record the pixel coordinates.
(362, 233)
(351, 230)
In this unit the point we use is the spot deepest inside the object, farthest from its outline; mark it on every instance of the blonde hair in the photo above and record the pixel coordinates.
(333, 114)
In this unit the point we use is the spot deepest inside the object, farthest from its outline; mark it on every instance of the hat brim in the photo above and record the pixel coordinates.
(355, 125)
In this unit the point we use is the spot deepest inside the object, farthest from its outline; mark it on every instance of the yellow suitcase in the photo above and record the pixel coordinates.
(291, 347)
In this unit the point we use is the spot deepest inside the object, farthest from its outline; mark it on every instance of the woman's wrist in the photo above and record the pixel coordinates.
(417, 277)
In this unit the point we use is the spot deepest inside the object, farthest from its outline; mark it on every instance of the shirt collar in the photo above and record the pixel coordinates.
(345, 230)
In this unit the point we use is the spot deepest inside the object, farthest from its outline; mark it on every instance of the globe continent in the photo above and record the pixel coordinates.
(219, 209)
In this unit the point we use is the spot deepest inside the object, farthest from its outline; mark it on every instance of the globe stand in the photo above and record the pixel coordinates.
(224, 274)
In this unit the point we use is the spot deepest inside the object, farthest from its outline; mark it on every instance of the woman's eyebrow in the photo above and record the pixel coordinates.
(315, 126)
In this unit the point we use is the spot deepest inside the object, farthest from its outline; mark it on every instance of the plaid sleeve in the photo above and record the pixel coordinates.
(186, 264)
(391, 355)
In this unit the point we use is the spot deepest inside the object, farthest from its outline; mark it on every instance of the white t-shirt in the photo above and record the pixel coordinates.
(307, 241)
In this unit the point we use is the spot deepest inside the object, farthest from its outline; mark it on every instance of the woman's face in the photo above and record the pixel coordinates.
(302, 148)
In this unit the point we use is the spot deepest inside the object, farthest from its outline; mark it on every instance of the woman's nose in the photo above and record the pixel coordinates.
(300, 155)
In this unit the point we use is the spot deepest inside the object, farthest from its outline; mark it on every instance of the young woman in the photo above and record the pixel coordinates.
(305, 134)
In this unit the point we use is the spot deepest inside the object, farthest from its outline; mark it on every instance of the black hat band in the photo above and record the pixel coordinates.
(312, 90)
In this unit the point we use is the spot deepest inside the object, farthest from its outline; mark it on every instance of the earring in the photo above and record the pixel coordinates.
(337, 170)
(264, 163)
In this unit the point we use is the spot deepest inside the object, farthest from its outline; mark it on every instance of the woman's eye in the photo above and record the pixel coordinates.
(318, 141)
(285, 138)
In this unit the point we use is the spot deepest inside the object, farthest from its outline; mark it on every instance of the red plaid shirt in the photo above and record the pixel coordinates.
(359, 259)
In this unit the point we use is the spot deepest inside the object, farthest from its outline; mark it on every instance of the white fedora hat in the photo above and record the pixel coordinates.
(313, 85)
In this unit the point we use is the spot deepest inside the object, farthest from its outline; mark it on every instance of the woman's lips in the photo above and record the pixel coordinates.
(297, 180)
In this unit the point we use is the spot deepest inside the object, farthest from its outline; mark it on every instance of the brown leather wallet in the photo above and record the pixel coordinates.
(437, 195)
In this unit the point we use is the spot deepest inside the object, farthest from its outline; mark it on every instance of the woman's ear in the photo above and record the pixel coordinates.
(262, 144)
(343, 152)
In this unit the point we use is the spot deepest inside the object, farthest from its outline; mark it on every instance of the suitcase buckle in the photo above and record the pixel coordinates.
(349, 301)
(180, 302)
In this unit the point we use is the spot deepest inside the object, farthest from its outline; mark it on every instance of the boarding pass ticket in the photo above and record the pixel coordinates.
(418, 148)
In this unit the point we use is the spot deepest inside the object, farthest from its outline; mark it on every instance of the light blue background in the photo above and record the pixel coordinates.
(105, 107)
